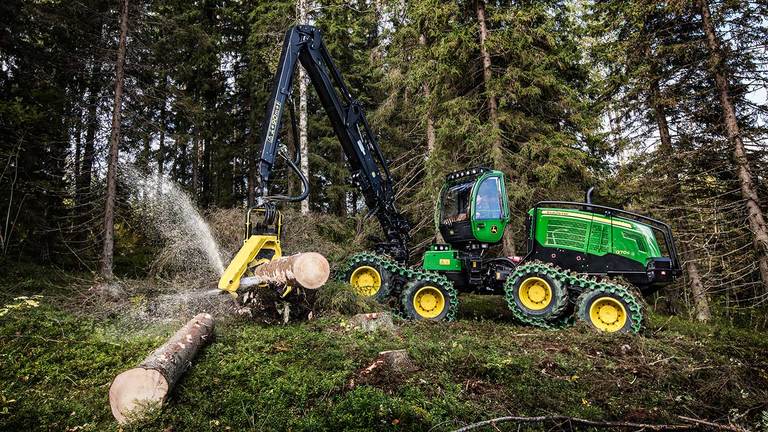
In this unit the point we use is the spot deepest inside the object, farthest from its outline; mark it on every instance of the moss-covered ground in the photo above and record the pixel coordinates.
(56, 367)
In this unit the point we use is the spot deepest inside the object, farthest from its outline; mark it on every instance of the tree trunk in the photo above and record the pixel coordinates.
(195, 160)
(487, 75)
(661, 120)
(748, 191)
(666, 150)
(78, 152)
(161, 144)
(114, 139)
(508, 243)
(301, 12)
(150, 382)
(430, 118)
(251, 181)
(698, 292)
(83, 183)
(206, 172)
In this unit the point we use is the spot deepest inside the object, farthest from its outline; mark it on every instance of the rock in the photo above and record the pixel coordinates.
(371, 322)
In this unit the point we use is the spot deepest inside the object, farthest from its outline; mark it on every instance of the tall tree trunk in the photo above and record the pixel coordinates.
(78, 151)
(430, 118)
(114, 139)
(698, 294)
(206, 172)
(508, 243)
(665, 148)
(748, 191)
(251, 182)
(195, 160)
(86, 168)
(301, 12)
(493, 108)
(161, 144)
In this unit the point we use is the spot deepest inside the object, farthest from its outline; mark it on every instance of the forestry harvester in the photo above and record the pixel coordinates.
(585, 261)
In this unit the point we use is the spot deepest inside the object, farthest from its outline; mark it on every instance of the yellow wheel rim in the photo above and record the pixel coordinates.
(366, 281)
(429, 302)
(608, 314)
(535, 293)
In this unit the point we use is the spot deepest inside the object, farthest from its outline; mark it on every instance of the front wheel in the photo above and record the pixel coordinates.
(426, 300)
(368, 278)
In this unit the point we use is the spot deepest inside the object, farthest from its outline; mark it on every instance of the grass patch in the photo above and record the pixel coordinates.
(57, 368)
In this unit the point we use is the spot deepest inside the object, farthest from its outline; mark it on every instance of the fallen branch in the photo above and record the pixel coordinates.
(693, 424)
(711, 425)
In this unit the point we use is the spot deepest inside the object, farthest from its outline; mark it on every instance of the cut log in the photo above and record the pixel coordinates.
(308, 270)
(149, 383)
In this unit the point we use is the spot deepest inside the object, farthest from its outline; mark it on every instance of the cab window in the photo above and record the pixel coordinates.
(488, 202)
(456, 203)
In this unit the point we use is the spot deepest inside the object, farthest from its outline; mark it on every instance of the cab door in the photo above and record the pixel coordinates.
(489, 210)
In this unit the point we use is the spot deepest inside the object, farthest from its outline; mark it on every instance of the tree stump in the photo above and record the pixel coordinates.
(149, 383)
(388, 370)
(371, 322)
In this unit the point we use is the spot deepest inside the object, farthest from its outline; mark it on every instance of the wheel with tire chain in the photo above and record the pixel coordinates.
(368, 278)
(538, 294)
(610, 308)
(426, 300)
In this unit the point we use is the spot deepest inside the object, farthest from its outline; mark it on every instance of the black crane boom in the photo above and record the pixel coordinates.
(369, 168)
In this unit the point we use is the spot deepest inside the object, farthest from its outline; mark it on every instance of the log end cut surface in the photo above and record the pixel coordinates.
(136, 388)
(311, 270)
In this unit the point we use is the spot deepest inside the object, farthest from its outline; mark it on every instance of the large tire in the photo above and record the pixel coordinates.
(368, 278)
(610, 308)
(537, 295)
(426, 300)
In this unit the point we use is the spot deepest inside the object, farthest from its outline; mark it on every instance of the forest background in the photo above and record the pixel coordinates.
(660, 105)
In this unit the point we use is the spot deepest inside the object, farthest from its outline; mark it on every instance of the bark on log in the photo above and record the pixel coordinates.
(308, 270)
(149, 383)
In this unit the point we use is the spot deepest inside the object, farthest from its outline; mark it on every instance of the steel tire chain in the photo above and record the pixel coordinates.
(410, 274)
(629, 295)
(519, 315)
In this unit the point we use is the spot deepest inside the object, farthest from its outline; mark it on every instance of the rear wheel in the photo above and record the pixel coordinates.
(425, 300)
(369, 278)
(538, 295)
(610, 309)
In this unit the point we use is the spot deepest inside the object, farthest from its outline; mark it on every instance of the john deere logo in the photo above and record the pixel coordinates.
(494, 229)
(272, 129)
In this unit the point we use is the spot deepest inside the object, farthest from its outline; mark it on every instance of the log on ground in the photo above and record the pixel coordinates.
(149, 383)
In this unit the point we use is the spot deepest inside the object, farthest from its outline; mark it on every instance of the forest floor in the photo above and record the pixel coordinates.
(57, 365)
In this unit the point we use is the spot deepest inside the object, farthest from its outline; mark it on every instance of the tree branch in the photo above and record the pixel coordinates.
(693, 424)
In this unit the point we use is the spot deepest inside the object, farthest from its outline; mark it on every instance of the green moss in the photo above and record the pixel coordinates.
(57, 369)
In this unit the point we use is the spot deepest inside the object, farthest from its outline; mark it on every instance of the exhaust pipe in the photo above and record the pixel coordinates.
(588, 198)
(588, 195)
